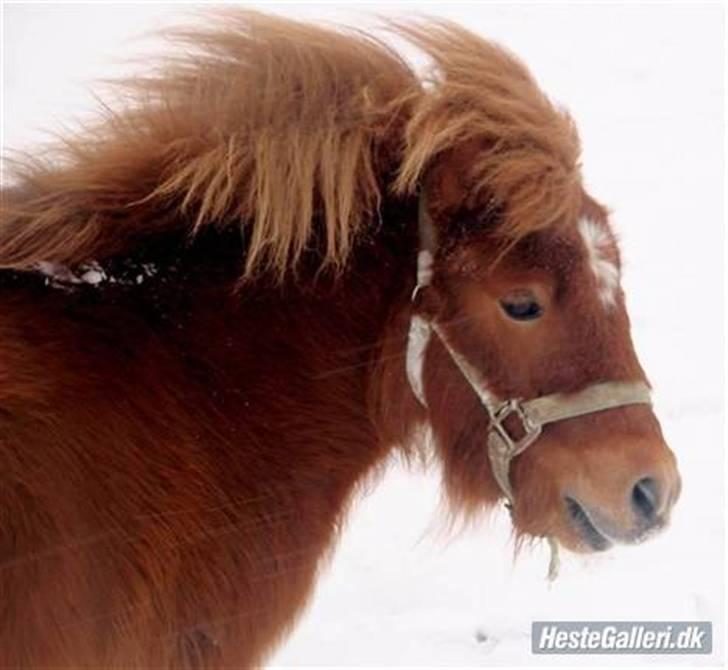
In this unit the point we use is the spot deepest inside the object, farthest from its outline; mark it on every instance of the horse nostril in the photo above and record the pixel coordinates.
(646, 498)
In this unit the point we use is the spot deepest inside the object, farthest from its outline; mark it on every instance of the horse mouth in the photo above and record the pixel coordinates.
(585, 527)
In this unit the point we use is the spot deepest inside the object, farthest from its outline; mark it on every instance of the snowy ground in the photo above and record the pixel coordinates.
(645, 86)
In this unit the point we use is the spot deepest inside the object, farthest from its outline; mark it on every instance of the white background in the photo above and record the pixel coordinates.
(644, 84)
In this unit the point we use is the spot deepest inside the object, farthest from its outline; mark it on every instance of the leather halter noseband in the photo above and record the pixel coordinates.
(533, 414)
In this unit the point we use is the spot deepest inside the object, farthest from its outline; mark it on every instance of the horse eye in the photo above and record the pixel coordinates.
(521, 307)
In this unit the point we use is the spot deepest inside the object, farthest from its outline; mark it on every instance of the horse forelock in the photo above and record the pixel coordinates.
(294, 133)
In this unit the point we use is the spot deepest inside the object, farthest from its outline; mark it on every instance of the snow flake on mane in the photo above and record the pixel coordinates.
(91, 273)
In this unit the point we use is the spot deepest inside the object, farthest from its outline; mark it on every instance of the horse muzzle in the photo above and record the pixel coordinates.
(643, 511)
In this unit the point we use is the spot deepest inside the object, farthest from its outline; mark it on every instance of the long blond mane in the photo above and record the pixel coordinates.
(295, 133)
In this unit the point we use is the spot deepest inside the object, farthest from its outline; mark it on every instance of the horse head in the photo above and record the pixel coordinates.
(519, 347)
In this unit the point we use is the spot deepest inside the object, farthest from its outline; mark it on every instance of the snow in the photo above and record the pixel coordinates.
(57, 274)
(91, 273)
(644, 83)
(61, 276)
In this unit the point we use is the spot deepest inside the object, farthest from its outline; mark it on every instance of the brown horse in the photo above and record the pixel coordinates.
(224, 304)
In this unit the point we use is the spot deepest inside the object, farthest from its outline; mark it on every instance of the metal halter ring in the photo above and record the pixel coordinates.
(510, 445)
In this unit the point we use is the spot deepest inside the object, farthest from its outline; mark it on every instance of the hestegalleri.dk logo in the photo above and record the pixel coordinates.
(621, 637)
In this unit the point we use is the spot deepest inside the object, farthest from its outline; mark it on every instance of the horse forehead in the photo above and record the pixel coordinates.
(602, 256)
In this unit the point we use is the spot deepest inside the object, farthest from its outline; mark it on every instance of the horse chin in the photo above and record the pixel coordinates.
(570, 524)
(587, 531)
(592, 537)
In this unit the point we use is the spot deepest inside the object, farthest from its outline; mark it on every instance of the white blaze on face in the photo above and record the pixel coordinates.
(598, 242)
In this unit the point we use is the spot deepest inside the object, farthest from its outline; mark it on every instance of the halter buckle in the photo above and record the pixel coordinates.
(510, 445)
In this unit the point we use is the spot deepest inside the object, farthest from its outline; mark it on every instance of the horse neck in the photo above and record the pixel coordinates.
(330, 356)
(257, 410)
(314, 370)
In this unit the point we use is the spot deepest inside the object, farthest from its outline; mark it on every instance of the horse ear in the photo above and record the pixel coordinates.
(447, 179)
(457, 203)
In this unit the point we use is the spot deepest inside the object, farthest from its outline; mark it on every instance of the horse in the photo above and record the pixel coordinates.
(281, 256)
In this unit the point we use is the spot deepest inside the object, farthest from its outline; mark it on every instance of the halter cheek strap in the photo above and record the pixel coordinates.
(532, 415)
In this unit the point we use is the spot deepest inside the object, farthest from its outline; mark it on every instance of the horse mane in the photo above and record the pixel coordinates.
(294, 133)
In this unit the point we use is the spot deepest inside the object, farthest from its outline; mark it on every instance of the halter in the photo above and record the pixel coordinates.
(532, 415)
